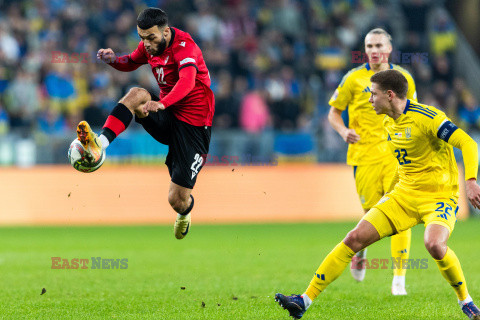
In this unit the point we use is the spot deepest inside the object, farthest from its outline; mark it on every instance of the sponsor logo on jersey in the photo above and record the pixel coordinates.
(383, 200)
(186, 60)
(182, 43)
(367, 89)
(166, 60)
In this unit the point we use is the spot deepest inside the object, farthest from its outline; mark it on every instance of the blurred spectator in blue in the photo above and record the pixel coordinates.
(3, 79)
(51, 121)
(469, 113)
(4, 121)
(59, 83)
(60, 87)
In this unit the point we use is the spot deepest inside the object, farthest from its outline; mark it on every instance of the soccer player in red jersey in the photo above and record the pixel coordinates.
(180, 118)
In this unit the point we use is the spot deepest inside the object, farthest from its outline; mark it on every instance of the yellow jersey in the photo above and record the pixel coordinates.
(354, 92)
(418, 139)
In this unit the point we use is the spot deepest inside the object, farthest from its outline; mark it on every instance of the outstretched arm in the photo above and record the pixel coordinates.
(124, 63)
(461, 140)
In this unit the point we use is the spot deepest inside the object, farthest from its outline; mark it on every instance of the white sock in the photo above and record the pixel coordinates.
(467, 300)
(399, 281)
(362, 253)
(306, 300)
(182, 216)
(104, 141)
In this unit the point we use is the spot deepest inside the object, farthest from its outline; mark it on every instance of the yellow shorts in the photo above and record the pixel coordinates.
(372, 181)
(405, 211)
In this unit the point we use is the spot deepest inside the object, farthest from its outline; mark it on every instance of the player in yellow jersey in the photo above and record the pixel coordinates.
(425, 190)
(373, 164)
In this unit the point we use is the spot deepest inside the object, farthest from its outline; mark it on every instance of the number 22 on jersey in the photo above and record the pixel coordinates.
(402, 156)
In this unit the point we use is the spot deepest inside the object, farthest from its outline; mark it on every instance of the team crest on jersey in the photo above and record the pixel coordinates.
(408, 133)
(182, 43)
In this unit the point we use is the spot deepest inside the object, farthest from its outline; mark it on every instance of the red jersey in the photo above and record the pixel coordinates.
(198, 106)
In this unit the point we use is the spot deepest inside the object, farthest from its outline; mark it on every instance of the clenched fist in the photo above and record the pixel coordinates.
(106, 55)
(152, 106)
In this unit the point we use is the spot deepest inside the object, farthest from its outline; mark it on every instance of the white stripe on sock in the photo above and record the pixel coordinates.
(104, 141)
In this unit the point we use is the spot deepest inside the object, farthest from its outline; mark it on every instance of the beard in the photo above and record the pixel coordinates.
(161, 47)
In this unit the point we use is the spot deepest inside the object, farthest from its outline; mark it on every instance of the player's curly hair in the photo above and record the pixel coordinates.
(152, 17)
(391, 80)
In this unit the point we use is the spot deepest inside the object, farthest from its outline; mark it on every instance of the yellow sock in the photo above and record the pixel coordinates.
(332, 266)
(401, 250)
(451, 270)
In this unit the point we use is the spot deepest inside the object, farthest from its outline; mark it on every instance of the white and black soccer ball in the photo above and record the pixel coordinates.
(78, 159)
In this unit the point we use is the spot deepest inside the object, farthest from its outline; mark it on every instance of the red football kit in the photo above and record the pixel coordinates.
(182, 76)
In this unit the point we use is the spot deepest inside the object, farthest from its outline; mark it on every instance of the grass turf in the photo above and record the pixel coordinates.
(233, 271)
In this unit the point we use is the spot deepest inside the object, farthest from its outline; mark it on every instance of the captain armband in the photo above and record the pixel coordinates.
(446, 129)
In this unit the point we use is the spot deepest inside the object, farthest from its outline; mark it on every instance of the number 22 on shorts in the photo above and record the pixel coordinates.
(197, 163)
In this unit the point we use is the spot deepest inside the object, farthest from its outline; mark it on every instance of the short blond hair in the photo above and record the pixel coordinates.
(380, 31)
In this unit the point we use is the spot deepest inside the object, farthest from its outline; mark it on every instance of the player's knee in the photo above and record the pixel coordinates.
(354, 240)
(139, 94)
(436, 248)
(177, 203)
(135, 97)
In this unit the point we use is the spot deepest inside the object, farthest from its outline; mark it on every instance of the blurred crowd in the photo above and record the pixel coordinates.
(274, 64)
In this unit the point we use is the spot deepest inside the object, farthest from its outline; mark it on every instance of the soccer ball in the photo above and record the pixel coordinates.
(79, 160)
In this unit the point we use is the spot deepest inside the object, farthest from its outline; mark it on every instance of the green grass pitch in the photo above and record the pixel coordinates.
(228, 272)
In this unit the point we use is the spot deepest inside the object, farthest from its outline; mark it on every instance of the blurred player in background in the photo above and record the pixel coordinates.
(427, 191)
(373, 164)
(181, 118)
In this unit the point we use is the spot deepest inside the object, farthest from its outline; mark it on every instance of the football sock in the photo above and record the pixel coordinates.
(117, 122)
(467, 300)
(400, 249)
(399, 281)
(306, 300)
(332, 267)
(104, 141)
(189, 208)
(452, 272)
